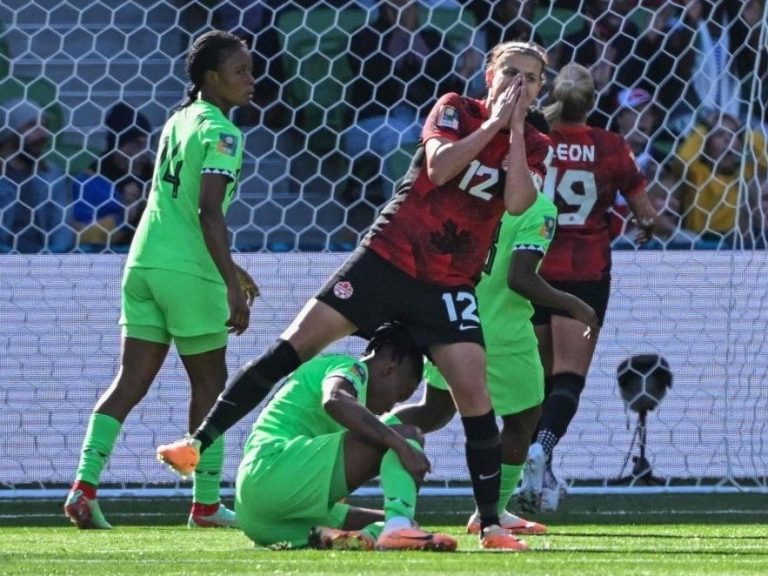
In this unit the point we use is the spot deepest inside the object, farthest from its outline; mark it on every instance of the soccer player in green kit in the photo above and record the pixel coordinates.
(509, 284)
(180, 283)
(319, 439)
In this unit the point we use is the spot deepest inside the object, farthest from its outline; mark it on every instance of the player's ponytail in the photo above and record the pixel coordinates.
(207, 52)
(573, 93)
(553, 112)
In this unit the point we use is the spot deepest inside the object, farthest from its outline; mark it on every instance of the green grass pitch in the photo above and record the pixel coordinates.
(639, 535)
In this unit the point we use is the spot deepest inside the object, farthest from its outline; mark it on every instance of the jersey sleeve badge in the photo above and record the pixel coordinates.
(448, 117)
(359, 371)
(547, 229)
(227, 144)
(358, 376)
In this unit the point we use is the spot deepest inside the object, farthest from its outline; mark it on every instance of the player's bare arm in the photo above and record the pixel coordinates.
(341, 403)
(645, 214)
(524, 279)
(519, 188)
(214, 229)
(446, 158)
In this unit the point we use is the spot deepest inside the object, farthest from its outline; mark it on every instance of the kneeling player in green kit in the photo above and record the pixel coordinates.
(509, 284)
(319, 439)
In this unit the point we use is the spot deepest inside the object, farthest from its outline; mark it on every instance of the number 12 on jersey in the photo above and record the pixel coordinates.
(465, 301)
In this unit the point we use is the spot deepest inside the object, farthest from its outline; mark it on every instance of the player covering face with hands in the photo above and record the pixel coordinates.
(180, 283)
(509, 284)
(419, 264)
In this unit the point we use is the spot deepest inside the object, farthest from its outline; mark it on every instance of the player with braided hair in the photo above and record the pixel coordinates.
(319, 439)
(181, 241)
(589, 167)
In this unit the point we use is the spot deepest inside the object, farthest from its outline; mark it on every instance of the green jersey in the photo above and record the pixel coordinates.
(196, 140)
(297, 409)
(505, 315)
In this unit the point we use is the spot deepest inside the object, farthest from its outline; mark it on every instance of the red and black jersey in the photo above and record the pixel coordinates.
(441, 234)
(589, 167)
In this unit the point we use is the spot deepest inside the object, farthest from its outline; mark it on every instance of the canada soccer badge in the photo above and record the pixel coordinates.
(343, 290)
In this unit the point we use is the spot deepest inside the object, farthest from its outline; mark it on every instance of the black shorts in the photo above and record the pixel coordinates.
(369, 291)
(593, 293)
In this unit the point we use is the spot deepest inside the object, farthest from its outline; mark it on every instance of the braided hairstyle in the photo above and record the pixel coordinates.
(396, 336)
(208, 51)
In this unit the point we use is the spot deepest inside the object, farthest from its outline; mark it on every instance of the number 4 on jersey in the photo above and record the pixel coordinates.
(171, 170)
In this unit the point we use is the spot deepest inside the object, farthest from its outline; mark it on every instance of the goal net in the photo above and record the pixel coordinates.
(340, 95)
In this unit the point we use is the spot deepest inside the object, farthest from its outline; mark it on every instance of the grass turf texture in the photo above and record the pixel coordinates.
(654, 535)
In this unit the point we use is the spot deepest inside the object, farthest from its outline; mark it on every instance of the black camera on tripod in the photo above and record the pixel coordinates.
(643, 382)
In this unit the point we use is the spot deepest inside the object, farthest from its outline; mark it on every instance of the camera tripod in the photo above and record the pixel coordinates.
(641, 471)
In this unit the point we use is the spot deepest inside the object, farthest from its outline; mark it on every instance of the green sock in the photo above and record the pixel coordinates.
(207, 477)
(510, 476)
(99, 441)
(398, 485)
(373, 530)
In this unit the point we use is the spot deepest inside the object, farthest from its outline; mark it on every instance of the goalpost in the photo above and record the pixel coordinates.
(700, 305)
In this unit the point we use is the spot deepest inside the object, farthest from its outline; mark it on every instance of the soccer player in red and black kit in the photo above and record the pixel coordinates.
(419, 264)
(589, 167)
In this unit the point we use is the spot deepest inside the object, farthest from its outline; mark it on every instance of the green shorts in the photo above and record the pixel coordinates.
(515, 381)
(164, 305)
(287, 487)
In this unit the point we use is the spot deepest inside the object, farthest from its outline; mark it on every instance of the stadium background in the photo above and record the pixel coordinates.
(703, 310)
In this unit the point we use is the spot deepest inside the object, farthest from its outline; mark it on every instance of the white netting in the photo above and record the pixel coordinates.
(335, 117)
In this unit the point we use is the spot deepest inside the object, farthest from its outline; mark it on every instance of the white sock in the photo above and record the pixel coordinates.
(396, 523)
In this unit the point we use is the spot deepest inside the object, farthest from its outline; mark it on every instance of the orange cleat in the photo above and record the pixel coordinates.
(510, 522)
(182, 455)
(497, 538)
(415, 539)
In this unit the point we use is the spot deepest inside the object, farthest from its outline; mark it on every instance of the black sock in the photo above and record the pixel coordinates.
(246, 390)
(548, 384)
(561, 403)
(483, 451)
(548, 441)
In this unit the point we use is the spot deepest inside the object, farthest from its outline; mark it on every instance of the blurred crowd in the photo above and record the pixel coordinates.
(343, 88)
